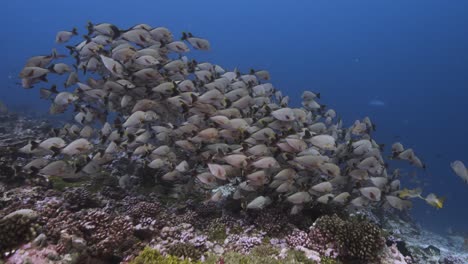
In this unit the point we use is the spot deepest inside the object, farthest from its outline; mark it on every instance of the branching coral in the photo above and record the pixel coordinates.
(79, 198)
(217, 231)
(184, 250)
(298, 238)
(145, 209)
(274, 222)
(356, 238)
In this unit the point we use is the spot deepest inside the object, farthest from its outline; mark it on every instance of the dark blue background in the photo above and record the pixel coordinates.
(412, 55)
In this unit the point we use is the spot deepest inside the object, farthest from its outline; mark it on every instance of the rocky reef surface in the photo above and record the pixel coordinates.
(425, 246)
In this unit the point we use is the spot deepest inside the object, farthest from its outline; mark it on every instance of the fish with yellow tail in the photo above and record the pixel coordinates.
(433, 200)
(410, 193)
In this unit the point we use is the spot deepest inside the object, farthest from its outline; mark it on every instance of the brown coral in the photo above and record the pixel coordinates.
(17, 228)
(357, 238)
(79, 198)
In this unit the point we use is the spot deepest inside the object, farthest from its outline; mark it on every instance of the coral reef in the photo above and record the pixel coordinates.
(99, 235)
(29, 253)
(105, 235)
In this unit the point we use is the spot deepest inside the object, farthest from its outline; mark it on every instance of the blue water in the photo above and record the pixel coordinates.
(411, 56)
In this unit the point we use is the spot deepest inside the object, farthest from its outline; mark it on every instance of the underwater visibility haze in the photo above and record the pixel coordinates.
(150, 131)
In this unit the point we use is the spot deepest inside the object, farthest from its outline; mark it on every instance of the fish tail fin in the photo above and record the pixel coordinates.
(228, 102)
(53, 89)
(174, 89)
(74, 31)
(103, 139)
(55, 131)
(51, 68)
(194, 97)
(90, 27)
(34, 145)
(442, 201)
(55, 150)
(288, 156)
(34, 171)
(244, 146)
(87, 38)
(116, 32)
(130, 137)
(71, 49)
(185, 107)
(323, 107)
(54, 53)
(43, 78)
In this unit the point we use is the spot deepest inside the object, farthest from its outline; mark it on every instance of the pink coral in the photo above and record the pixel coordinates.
(321, 242)
(298, 238)
(29, 254)
(243, 243)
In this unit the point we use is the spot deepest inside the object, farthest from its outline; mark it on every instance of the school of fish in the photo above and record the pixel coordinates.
(228, 134)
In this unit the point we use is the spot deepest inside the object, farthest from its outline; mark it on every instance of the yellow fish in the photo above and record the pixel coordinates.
(410, 193)
(437, 202)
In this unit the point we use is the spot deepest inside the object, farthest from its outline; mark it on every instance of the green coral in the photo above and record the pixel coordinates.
(299, 257)
(293, 257)
(17, 228)
(98, 181)
(238, 258)
(357, 238)
(59, 184)
(236, 229)
(266, 240)
(217, 232)
(264, 251)
(152, 256)
(327, 260)
(185, 250)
